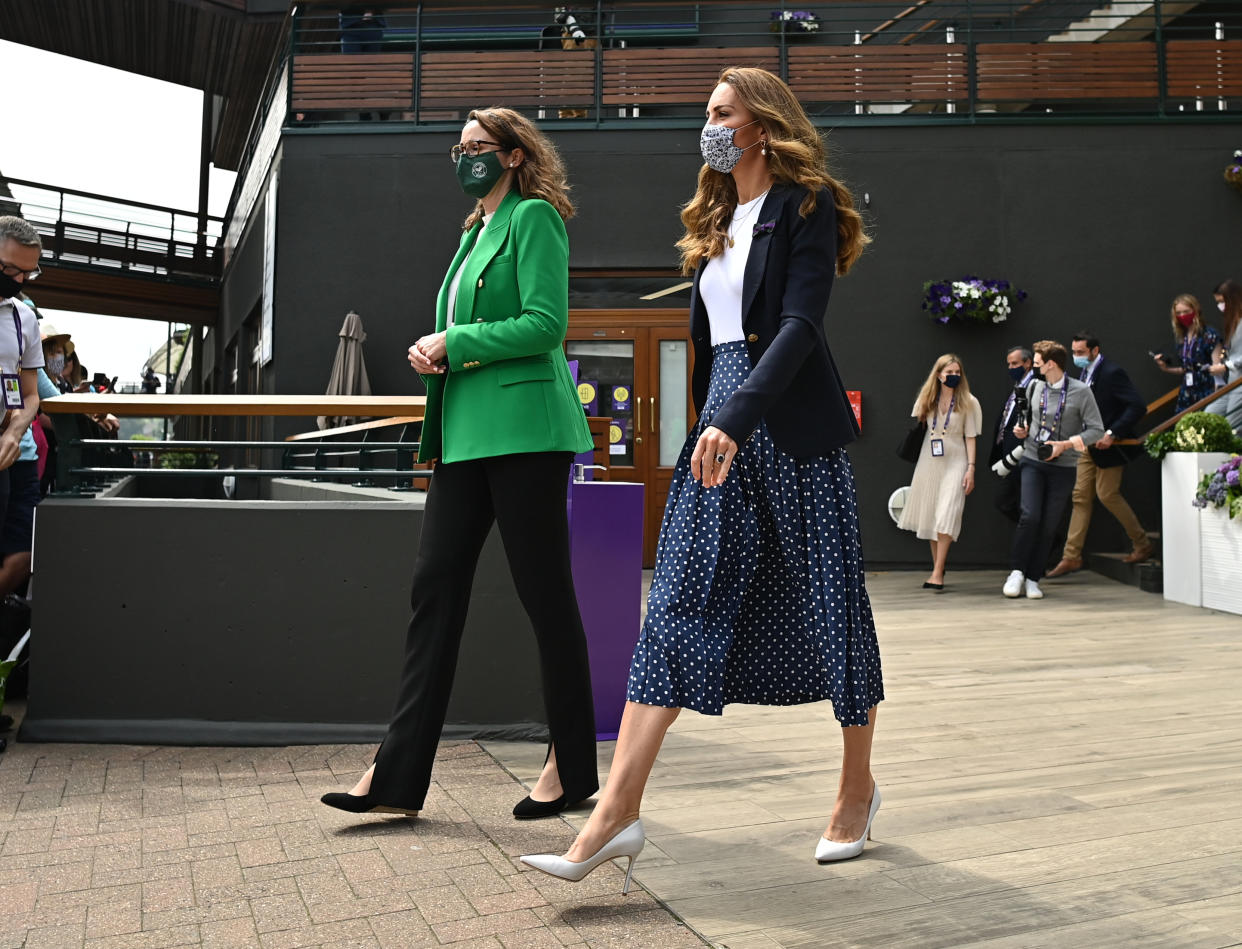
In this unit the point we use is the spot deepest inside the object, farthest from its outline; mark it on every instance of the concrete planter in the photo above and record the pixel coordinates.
(1181, 529)
(1221, 555)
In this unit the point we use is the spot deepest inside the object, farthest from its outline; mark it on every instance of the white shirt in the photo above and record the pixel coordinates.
(451, 309)
(30, 347)
(721, 283)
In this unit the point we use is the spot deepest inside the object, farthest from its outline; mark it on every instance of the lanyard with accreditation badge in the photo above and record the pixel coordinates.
(937, 444)
(11, 382)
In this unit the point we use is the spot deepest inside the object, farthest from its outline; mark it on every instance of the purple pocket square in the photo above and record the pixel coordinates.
(763, 227)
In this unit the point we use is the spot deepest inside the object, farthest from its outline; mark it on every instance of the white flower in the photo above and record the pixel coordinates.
(999, 318)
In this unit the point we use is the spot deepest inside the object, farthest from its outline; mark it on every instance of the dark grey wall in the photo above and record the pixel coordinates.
(216, 645)
(1103, 225)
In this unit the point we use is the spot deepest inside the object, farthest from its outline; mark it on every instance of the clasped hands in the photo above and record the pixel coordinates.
(1058, 447)
(428, 354)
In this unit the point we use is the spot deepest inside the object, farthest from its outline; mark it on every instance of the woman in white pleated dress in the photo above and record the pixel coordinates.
(945, 472)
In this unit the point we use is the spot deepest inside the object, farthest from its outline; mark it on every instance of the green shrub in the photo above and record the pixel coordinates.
(1198, 431)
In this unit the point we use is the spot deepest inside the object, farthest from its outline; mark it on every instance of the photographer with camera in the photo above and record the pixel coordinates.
(1006, 446)
(1064, 421)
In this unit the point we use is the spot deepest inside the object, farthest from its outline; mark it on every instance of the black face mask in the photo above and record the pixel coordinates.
(9, 287)
(1037, 374)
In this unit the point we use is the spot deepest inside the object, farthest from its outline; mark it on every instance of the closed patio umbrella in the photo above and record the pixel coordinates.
(349, 369)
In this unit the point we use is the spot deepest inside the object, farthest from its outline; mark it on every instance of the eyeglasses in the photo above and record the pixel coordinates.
(471, 149)
(9, 270)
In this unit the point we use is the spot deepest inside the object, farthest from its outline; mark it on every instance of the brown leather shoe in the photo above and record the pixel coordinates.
(1066, 565)
(1138, 556)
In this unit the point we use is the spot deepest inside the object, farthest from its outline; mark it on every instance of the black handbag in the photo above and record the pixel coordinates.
(912, 444)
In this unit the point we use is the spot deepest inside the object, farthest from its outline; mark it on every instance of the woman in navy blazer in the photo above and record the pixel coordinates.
(758, 593)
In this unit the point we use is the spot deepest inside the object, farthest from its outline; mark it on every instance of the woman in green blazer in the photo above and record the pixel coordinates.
(502, 424)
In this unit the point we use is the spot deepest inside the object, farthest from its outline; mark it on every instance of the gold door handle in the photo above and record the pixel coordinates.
(653, 415)
(638, 416)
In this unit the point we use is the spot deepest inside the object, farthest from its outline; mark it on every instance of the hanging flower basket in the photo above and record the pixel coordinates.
(970, 300)
(1233, 171)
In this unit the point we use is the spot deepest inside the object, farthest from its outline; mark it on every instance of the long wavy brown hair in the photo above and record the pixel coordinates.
(795, 156)
(1232, 292)
(541, 175)
(929, 395)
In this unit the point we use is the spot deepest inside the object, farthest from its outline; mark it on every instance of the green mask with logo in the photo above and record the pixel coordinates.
(477, 176)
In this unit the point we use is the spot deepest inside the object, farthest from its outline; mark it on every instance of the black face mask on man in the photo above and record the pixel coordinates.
(9, 286)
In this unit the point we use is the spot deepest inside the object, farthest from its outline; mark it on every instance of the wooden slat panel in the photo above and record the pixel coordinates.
(1041, 71)
(673, 76)
(553, 78)
(352, 81)
(879, 73)
(1204, 68)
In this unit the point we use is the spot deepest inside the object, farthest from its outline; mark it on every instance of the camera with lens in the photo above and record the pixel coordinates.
(1044, 451)
(566, 19)
(1021, 416)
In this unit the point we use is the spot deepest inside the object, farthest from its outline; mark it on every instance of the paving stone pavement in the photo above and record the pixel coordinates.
(119, 847)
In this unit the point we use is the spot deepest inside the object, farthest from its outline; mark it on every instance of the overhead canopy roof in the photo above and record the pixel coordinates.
(223, 47)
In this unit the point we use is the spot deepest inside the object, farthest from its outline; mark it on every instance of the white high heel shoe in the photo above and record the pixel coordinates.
(828, 850)
(627, 843)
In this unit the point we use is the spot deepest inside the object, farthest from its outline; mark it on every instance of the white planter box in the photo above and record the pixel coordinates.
(1221, 553)
(1181, 534)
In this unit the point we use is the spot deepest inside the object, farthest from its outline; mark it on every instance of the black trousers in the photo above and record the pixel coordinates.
(1046, 489)
(1008, 496)
(525, 495)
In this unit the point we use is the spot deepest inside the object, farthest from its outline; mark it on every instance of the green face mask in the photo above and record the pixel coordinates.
(477, 176)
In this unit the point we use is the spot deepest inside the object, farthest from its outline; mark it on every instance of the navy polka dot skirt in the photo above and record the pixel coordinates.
(758, 594)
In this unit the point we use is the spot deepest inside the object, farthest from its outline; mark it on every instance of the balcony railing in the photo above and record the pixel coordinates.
(872, 61)
(81, 229)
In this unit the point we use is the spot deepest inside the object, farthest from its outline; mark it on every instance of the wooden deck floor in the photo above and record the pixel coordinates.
(1060, 773)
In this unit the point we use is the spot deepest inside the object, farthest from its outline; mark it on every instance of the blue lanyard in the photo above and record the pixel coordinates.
(21, 341)
(945, 430)
(1188, 348)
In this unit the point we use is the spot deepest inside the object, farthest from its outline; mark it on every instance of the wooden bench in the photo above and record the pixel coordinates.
(554, 79)
(923, 73)
(1204, 68)
(1039, 72)
(362, 81)
(639, 77)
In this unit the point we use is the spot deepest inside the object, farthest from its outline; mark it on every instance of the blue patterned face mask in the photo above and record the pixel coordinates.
(716, 145)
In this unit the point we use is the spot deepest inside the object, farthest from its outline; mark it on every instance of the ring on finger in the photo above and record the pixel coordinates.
(720, 459)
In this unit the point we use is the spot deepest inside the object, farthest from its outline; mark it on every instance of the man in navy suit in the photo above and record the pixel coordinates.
(1018, 361)
(1100, 469)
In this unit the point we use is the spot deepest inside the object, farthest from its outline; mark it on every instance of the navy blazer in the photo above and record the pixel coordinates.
(794, 385)
(1121, 407)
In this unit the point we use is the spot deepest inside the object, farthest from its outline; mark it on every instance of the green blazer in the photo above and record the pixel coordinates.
(508, 387)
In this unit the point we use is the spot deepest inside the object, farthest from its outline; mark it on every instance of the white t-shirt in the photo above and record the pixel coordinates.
(451, 309)
(15, 354)
(721, 283)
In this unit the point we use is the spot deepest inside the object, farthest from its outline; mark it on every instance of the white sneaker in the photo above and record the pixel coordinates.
(1013, 586)
(1033, 592)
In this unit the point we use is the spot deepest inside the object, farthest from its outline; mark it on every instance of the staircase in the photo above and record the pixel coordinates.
(1121, 20)
(1148, 576)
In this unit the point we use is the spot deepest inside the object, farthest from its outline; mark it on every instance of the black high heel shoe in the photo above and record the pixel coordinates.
(361, 804)
(529, 809)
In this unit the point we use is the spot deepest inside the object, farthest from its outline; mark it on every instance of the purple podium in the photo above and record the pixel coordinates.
(606, 550)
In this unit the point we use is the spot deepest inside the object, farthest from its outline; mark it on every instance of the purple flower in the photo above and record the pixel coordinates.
(957, 305)
(763, 227)
(1232, 478)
